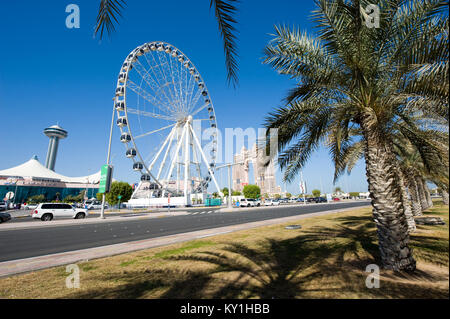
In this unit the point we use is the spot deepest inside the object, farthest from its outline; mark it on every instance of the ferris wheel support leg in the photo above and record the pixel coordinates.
(206, 162)
(197, 163)
(136, 189)
(186, 164)
(161, 149)
(174, 158)
(165, 157)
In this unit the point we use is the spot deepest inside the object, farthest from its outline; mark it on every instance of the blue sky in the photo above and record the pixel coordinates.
(51, 74)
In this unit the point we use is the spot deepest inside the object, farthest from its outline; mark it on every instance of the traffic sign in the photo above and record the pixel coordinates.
(9, 195)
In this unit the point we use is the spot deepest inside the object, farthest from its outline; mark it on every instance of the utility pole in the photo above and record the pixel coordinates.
(230, 177)
(303, 187)
(102, 213)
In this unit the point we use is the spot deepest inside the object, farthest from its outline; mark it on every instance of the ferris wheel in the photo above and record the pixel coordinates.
(164, 111)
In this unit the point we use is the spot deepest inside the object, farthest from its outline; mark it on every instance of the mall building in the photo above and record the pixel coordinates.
(32, 178)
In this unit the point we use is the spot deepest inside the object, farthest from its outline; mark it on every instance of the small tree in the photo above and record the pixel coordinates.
(277, 196)
(316, 192)
(338, 190)
(69, 199)
(215, 195)
(37, 199)
(354, 194)
(225, 191)
(235, 193)
(288, 195)
(252, 191)
(99, 196)
(119, 188)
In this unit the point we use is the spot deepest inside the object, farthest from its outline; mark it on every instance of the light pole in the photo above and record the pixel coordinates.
(15, 193)
(229, 165)
(303, 187)
(102, 213)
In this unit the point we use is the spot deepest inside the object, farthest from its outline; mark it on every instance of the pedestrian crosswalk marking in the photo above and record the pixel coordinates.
(202, 212)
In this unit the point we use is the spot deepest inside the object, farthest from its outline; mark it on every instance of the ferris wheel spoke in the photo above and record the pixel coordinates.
(149, 114)
(155, 131)
(173, 72)
(195, 99)
(161, 69)
(160, 85)
(144, 94)
(199, 109)
(154, 89)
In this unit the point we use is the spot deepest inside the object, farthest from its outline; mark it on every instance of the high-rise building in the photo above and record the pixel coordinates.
(264, 176)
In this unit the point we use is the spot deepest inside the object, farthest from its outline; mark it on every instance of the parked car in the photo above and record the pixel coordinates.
(336, 199)
(321, 200)
(292, 200)
(4, 217)
(300, 200)
(47, 211)
(95, 205)
(284, 200)
(272, 202)
(244, 202)
(2, 206)
(310, 199)
(249, 202)
(30, 206)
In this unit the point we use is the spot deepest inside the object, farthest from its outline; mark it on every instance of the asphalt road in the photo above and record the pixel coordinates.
(95, 214)
(32, 242)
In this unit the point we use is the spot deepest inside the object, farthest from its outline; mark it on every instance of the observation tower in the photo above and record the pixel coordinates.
(54, 133)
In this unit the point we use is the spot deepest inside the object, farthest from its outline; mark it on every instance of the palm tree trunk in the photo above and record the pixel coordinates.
(413, 191)
(421, 191)
(427, 195)
(406, 203)
(387, 199)
(445, 197)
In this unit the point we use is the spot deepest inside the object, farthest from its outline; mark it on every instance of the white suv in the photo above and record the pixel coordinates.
(46, 211)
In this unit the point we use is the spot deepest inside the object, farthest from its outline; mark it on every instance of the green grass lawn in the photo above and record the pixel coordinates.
(326, 258)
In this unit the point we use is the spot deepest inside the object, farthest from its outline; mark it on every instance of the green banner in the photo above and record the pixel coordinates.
(105, 179)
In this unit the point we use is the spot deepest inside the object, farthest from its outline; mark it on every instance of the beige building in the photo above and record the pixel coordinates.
(264, 176)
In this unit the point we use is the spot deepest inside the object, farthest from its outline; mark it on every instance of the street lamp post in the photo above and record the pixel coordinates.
(102, 213)
(229, 165)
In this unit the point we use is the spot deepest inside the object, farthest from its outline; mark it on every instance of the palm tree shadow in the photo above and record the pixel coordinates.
(355, 235)
(139, 284)
(269, 271)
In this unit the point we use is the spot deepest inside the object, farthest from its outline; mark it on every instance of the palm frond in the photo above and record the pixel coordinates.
(225, 11)
(109, 11)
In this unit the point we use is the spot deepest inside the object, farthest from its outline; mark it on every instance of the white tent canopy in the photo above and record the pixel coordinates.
(34, 169)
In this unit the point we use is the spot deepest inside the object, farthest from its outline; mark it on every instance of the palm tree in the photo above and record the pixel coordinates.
(224, 10)
(372, 80)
